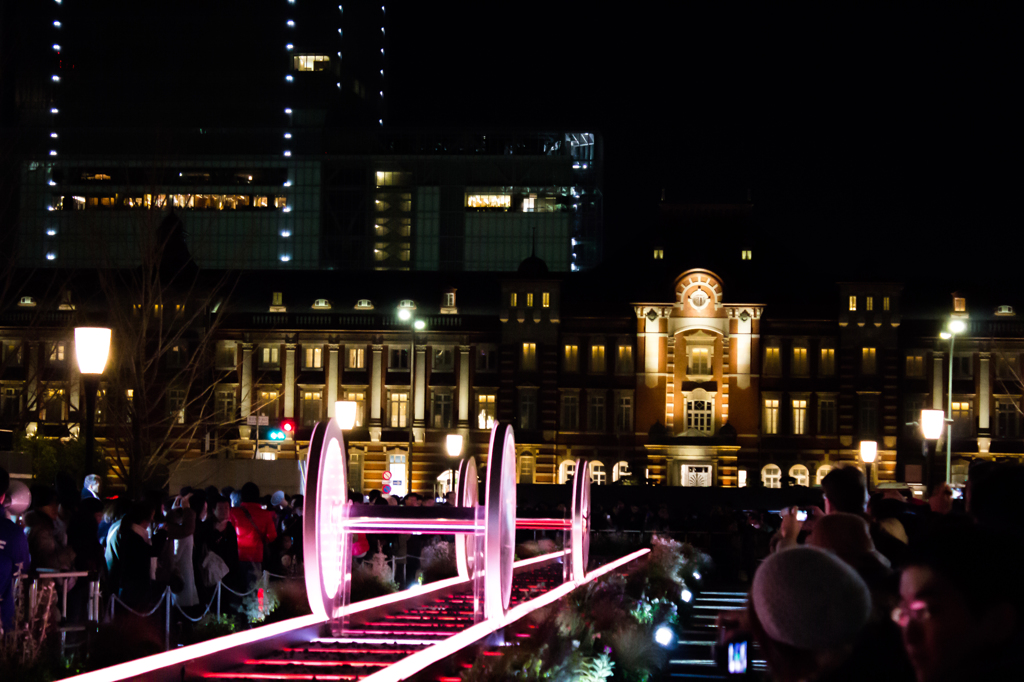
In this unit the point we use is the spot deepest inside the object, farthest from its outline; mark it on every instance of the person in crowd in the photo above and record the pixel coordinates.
(83, 535)
(961, 609)
(46, 545)
(91, 487)
(134, 555)
(807, 611)
(14, 558)
(255, 528)
(217, 536)
(995, 503)
(940, 498)
(180, 525)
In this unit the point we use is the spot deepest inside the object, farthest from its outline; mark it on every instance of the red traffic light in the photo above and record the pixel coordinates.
(288, 427)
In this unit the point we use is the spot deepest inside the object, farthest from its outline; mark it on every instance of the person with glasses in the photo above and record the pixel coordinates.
(960, 607)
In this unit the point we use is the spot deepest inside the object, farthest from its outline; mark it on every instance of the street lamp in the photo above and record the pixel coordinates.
(92, 347)
(405, 314)
(932, 423)
(345, 413)
(868, 454)
(454, 445)
(955, 327)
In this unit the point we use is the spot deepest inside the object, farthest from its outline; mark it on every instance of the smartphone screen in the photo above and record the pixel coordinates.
(801, 515)
(737, 658)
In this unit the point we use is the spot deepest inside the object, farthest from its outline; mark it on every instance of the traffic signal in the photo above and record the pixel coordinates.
(284, 429)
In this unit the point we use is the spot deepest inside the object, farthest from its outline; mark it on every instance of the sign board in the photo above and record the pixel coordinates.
(387, 475)
(257, 420)
(386, 489)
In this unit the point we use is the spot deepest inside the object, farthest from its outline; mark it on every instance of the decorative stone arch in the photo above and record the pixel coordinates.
(821, 473)
(800, 475)
(771, 476)
(566, 470)
(698, 412)
(621, 470)
(700, 291)
(598, 472)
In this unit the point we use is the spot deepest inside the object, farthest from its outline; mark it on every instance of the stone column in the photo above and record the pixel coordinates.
(376, 369)
(937, 382)
(463, 387)
(332, 378)
(247, 388)
(289, 380)
(985, 403)
(419, 421)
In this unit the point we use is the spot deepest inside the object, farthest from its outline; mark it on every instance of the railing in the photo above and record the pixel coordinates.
(66, 578)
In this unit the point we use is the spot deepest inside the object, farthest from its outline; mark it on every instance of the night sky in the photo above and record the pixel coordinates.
(883, 145)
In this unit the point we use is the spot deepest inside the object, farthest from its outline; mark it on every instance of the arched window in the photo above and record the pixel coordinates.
(771, 476)
(566, 470)
(527, 464)
(620, 470)
(800, 475)
(597, 474)
(822, 473)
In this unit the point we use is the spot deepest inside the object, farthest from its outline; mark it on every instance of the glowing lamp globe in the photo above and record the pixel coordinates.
(868, 451)
(420, 325)
(92, 346)
(932, 423)
(404, 314)
(957, 326)
(345, 414)
(454, 444)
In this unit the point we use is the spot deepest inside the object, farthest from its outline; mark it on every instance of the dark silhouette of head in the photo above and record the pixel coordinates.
(250, 492)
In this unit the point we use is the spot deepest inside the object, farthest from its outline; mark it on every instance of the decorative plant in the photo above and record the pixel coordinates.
(373, 578)
(437, 561)
(260, 604)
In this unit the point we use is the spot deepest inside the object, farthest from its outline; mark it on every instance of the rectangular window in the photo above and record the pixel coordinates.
(700, 361)
(359, 398)
(441, 409)
(799, 417)
(959, 304)
(449, 300)
(486, 359)
(869, 302)
(597, 365)
(53, 405)
(527, 410)
(867, 360)
(225, 406)
(771, 416)
(443, 359)
(595, 413)
(513, 299)
(311, 62)
(659, 254)
(700, 415)
(885, 303)
(746, 254)
(826, 416)
(1007, 418)
(545, 300)
(176, 356)
(827, 367)
(398, 359)
(277, 297)
(572, 358)
(963, 419)
(271, 356)
(570, 412)
(496, 201)
(529, 300)
(398, 409)
(485, 410)
(226, 355)
(853, 304)
(799, 362)
(393, 179)
(529, 358)
(772, 361)
(268, 404)
(314, 358)
(868, 416)
(57, 352)
(624, 414)
(1006, 366)
(11, 354)
(356, 358)
(915, 366)
(624, 360)
(311, 407)
(10, 404)
(176, 405)
(963, 366)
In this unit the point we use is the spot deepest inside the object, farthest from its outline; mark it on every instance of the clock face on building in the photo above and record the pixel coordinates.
(699, 299)
(744, 316)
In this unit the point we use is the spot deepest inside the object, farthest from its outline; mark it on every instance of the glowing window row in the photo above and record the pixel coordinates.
(525, 203)
(207, 202)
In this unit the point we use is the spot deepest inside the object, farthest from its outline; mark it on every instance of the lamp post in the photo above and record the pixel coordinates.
(954, 327)
(92, 347)
(405, 315)
(454, 445)
(868, 454)
(932, 423)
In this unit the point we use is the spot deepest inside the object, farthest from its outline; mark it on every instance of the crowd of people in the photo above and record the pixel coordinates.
(890, 588)
(190, 542)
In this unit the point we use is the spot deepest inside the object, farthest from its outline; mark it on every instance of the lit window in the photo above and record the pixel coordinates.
(885, 303)
(566, 470)
(828, 362)
(513, 299)
(747, 254)
(314, 358)
(529, 300)
(822, 472)
(359, 398)
(659, 254)
(624, 360)
(597, 359)
(498, 201)
(799, 361)
(268, 404)
(700, 361)
(867, 360)
(311, 62)
(800, 475)
(869, 302)
(700, 415)
(356, 358)
(772, 361)
(572, 358)
(398, 409)
(485, 410)
(393, 179)
(545, 300)
(771, 416)
(449, 300)
(959, 304)
(529, 358)
(915, 366)
(853, 303)
(277, 298)
(771, 476)
(57, 352)
(799, 417)
(597, 474)
(271, 355)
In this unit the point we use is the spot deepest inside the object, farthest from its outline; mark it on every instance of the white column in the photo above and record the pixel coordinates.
(375, 377)
(419, 413)
(332, 379)
(243, 430)
(984, 395)
(653, 339)
(740, 348)
(464, 388)
(937, 383)
(289, 381)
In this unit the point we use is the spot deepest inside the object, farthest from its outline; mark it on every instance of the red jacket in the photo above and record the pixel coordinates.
(250, 537)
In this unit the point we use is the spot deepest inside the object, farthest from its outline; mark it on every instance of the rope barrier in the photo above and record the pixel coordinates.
(115, 598)
(208, 607)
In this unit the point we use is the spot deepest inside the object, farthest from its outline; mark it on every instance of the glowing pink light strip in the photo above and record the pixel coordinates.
(407, 667)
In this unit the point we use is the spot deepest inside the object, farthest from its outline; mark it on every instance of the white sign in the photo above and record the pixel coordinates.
(257, 420)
